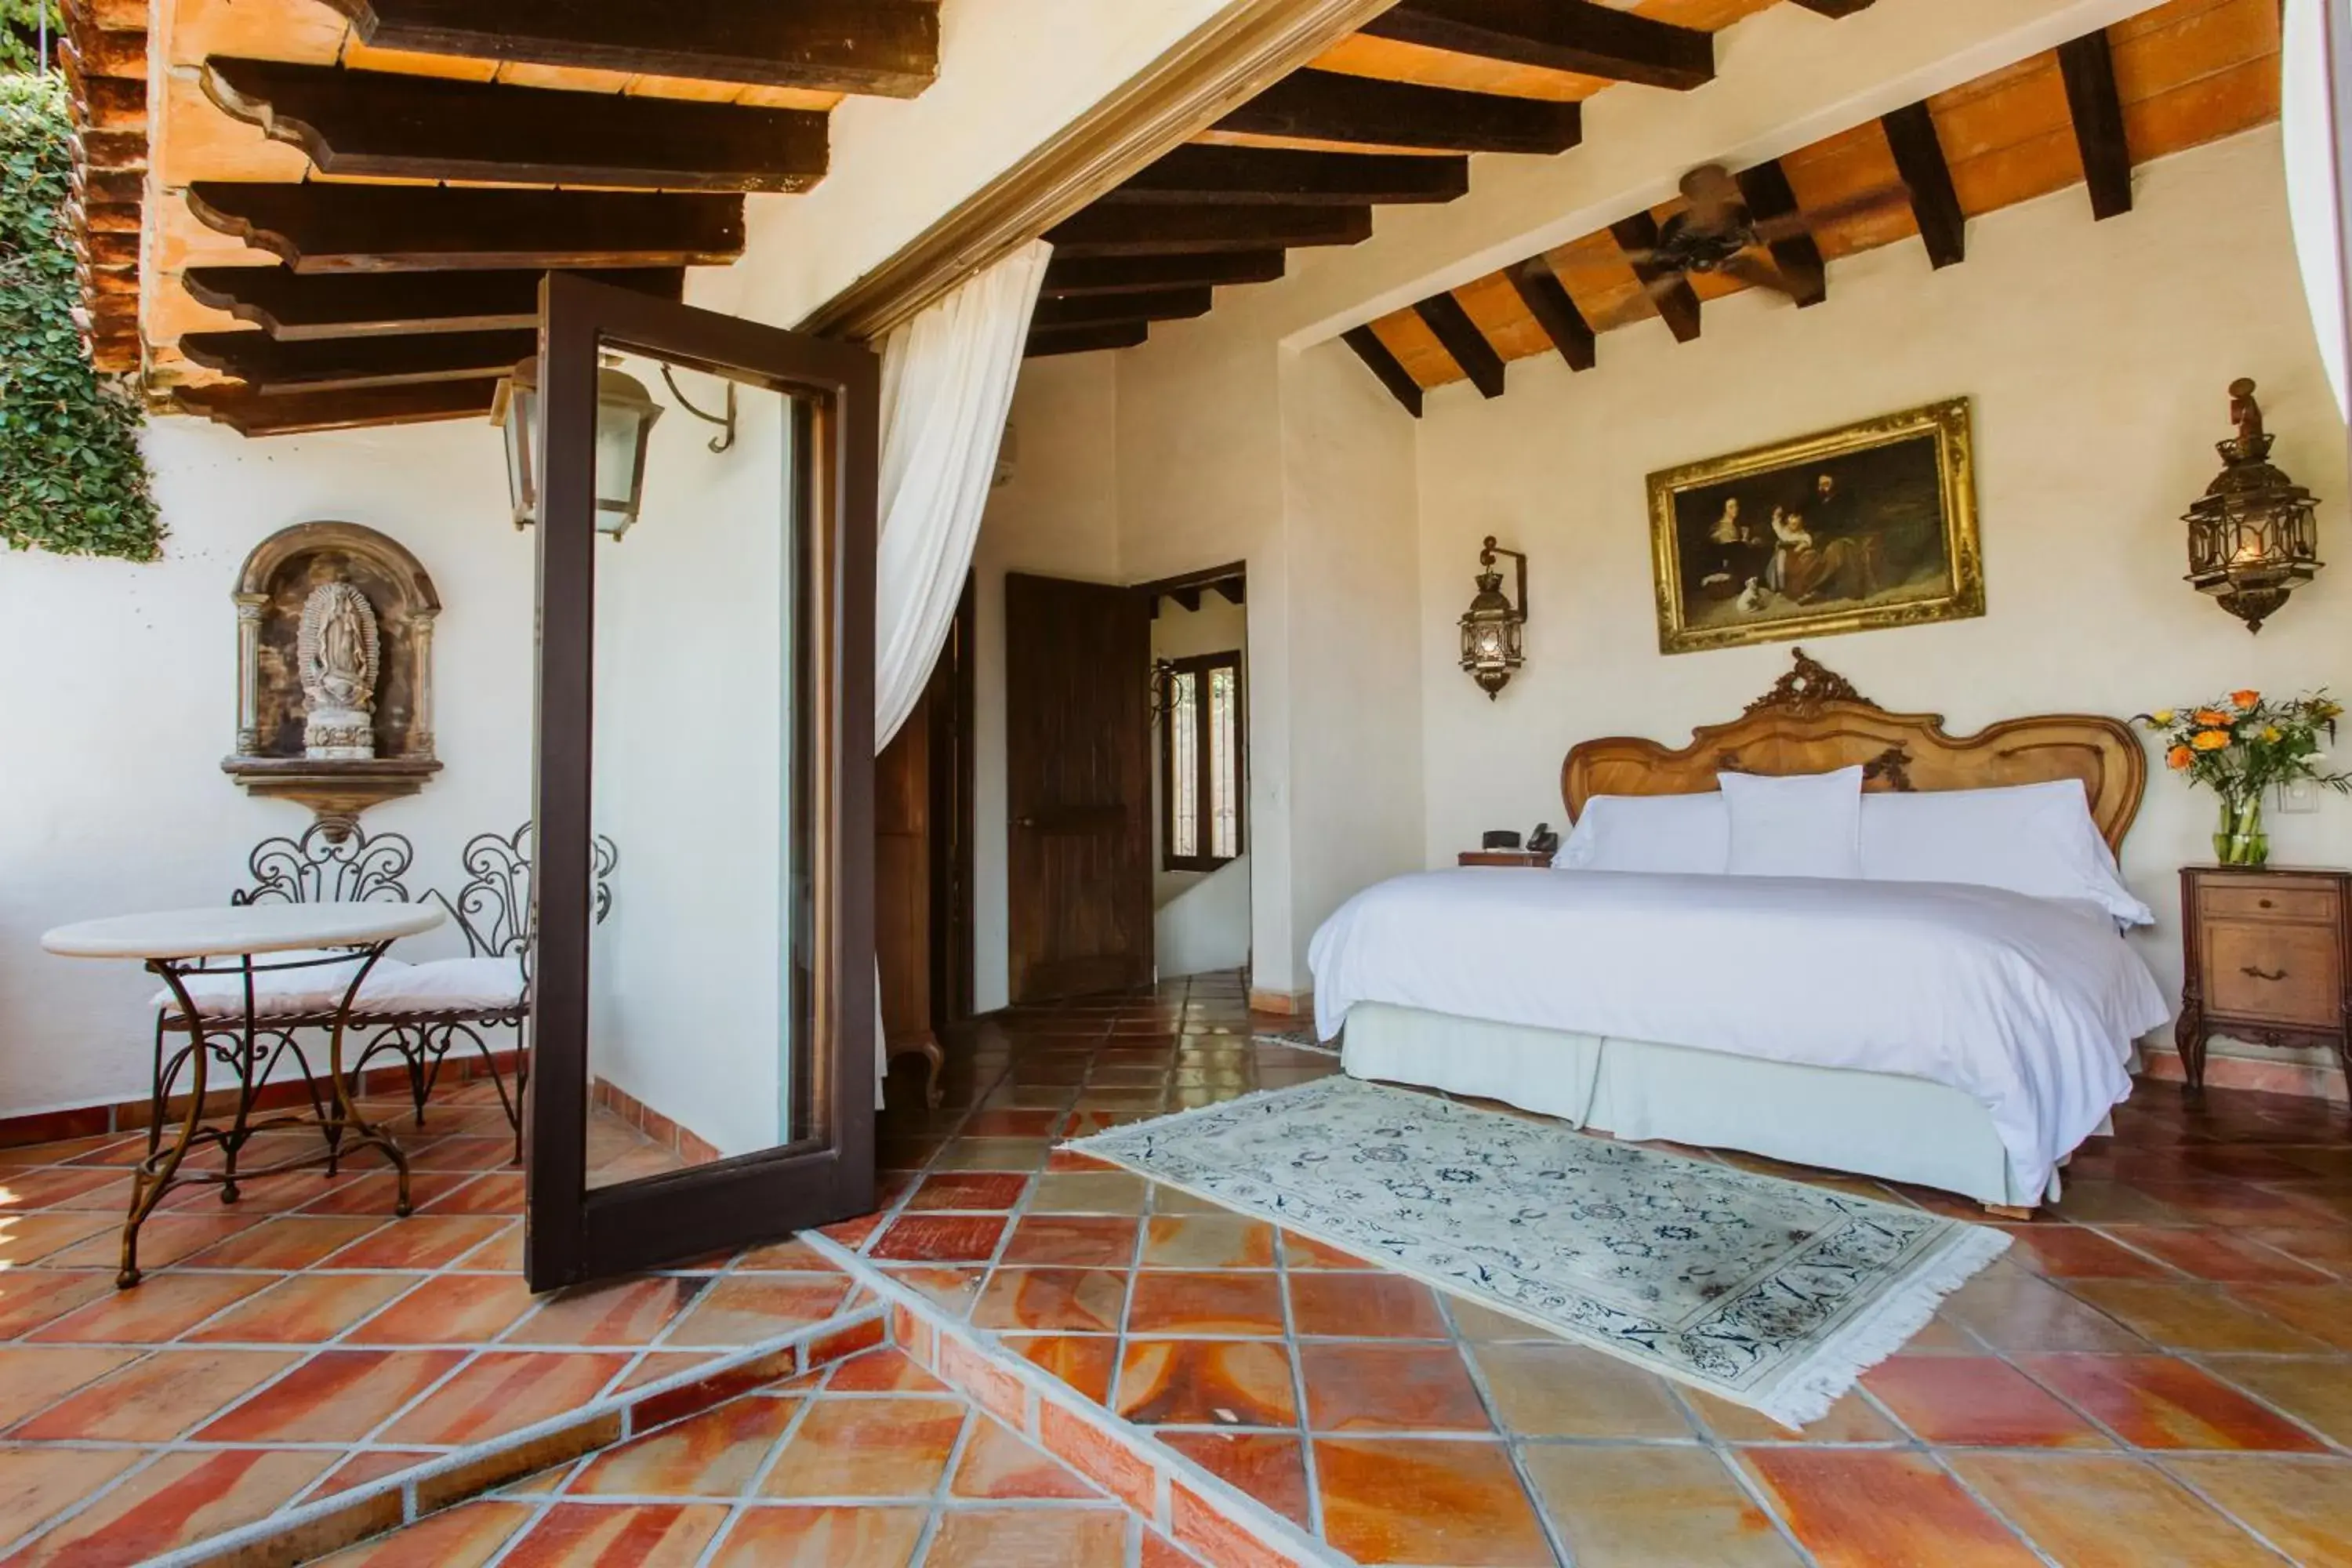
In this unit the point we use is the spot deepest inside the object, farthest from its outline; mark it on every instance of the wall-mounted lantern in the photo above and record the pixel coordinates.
(1492, 643)
(2254, 537)
(625, 415)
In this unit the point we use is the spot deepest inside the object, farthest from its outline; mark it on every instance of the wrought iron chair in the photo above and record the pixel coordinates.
(417, 1012)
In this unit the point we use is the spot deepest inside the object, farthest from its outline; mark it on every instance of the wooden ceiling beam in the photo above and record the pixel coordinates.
(1095, 310)
(1576, 35)
(339, 364)
(1540, 290)
(319, 227)
(1770, 200)
(888, 49)
(1443, 315)
(1390, 370)
(295, 308)
(1325, 106)
(251, 412)
(1077, 276)
(1834, 8)
(1669, 294)
(1276, 176)
(428, 127)
(1045, 345)
(1935, 204)
(2088, 66)
(1177, 230)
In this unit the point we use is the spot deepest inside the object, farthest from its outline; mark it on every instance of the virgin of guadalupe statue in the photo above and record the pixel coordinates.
(337, 657)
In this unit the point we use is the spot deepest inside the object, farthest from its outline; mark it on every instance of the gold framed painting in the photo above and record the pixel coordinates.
(1850, 530)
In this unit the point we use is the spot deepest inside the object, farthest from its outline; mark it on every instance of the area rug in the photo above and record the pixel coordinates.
(1768, 1294)
(1295, 1040)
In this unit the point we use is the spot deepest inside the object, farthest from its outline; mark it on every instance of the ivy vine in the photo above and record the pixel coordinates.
(72, 478)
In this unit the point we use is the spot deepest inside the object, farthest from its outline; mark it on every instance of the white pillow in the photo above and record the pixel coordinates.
(1806, 825)
(1689, 834)
(2036, 839)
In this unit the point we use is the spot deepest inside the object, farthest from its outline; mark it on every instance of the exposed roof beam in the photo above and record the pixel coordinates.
(888, 47)
(1095, 310)
(2088, 66)
(1385, 365)
(1765, 187)
(1443, 315)
(337, 365)
(319, 227)
(1325, 106)
(1278, 176)
(1069, 278)
(251, 412)
(1086, 339)
(1669, 293)
(1919, 157)
(427, 127)
(1149, 230)
(1555, 35)
(1540, 289)
(1835, 7)
(293, 308)
(1232, 590)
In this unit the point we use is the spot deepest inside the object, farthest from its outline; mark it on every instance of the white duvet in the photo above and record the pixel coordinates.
(2028, 1005)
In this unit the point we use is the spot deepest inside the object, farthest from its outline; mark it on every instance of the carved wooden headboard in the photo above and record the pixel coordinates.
(1813, 721)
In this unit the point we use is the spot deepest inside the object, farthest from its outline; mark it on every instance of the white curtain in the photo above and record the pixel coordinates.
(2309, 128)
(947, 386)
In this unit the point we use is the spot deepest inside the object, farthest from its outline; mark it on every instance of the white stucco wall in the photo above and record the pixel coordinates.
(120, 701)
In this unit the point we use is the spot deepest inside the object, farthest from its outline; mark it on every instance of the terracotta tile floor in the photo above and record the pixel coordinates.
(2159, 1372)
(305, 1340)
(868, 1463)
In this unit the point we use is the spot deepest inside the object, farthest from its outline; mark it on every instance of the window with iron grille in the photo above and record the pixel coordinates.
(1201, 764)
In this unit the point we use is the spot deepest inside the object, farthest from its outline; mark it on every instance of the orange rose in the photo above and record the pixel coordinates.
(2245, 700)
(2210, 740)
(2180, 757)
(2211, 718)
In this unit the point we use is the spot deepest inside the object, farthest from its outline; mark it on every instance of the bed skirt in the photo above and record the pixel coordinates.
(1873, 1124)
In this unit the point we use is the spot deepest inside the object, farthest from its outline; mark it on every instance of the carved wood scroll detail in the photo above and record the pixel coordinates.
(1813, 721)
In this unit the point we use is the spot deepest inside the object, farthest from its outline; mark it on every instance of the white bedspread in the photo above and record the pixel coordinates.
(2028, 1005)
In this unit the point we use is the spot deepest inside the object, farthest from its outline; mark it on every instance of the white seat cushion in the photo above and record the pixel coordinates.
(446, 985)
(278, 993)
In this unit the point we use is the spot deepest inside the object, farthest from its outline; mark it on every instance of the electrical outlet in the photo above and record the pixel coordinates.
(2298, 797)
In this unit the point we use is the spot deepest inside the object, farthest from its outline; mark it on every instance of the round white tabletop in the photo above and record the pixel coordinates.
(222, 929)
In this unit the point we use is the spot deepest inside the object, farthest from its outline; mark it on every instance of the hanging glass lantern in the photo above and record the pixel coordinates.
(1492, 642)
(2253, 535)
(625, 415)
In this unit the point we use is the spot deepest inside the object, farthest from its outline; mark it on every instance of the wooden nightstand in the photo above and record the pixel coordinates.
(2267, 955)
(1505, 857)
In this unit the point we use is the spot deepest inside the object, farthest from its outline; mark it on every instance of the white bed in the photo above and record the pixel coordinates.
(1962, 1038)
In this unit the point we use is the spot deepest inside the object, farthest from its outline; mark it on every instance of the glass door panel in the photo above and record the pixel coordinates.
(703, 1014)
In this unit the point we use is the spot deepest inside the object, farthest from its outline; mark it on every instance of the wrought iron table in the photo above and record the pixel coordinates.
(177, 946)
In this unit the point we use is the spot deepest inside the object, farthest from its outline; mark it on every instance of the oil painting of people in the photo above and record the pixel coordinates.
(1872, 525)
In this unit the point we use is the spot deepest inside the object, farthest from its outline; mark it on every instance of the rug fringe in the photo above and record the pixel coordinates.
(1815, 1384)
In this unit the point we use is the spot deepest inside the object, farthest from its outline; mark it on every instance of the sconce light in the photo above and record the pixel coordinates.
(2254, 537)
(1492, 646)
(625, 415)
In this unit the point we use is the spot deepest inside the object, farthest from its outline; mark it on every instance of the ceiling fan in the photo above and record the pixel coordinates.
(1718, 233)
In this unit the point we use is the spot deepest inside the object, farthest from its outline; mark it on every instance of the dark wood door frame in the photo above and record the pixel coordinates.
(952, 777)
(576, 1233)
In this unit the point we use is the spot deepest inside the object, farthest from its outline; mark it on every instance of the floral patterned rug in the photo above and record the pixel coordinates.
(1768, 1294)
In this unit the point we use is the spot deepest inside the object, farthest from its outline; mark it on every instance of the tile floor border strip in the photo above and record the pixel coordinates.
(988, 1369)
(611, 1418)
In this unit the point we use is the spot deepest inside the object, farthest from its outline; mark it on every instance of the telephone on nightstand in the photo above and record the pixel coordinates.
(1543, 840)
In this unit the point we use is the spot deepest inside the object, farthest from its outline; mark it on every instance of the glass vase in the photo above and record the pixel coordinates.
(2240, 840)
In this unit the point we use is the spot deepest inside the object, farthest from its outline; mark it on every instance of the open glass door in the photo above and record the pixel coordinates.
(702, 1017)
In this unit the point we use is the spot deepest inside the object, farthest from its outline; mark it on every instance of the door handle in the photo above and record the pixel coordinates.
(2250, 973)
(1024, 822)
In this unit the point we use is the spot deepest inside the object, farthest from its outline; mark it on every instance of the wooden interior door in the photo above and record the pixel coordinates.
(1078, 660)
(902, 878)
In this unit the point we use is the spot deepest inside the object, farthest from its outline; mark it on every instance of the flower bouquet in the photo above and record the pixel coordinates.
(2243, 745)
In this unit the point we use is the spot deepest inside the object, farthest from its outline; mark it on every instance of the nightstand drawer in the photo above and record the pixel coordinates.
(2279, 973)
(2262, 900)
